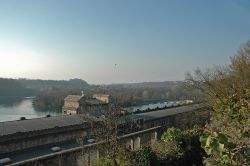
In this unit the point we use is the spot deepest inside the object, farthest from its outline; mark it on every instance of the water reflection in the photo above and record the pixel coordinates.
(10, 101)
(13, 109)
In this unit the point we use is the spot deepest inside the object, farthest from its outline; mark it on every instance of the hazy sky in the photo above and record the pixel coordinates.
(149, 40)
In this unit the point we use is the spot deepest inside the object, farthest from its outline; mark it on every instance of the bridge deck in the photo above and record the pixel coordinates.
(43, 152)
(152, 115)
(21, 126)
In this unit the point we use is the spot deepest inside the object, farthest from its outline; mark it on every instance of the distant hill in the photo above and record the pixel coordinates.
(28, 87)
(164, 84)
(10, 88)
(53, 84)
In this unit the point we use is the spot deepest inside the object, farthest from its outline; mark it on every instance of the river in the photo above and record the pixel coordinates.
(13, 109)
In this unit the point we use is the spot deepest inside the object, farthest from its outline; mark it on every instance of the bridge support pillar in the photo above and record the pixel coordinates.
(97, 155)
(153, 137)
(130, 144)
(87, 158)
(137, 143)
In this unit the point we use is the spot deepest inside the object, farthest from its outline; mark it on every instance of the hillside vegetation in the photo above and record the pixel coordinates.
(50, 93)
(223, 141)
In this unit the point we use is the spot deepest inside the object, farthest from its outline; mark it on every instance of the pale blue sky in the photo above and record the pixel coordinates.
(149, 40)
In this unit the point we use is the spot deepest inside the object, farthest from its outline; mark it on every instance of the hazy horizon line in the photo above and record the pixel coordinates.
(114, 83)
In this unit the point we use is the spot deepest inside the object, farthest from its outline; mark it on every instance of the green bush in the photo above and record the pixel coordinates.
(180, 147)
(123, 158)
(226, 138)
(146, 157)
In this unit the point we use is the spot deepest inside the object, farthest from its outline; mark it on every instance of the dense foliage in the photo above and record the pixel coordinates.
(178, 147)
(12, 88)
(43, 85)
(226, 137)
(123, 158)
(146, 157)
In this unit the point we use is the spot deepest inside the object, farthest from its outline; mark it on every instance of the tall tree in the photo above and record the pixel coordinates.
(227, 90)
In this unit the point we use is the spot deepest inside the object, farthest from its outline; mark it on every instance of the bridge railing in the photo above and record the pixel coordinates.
(135, 140)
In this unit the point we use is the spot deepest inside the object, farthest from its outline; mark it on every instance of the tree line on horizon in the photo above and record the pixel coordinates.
(50, 94)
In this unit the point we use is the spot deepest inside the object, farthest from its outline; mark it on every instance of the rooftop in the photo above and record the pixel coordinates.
(75, 98)
(102, 95)
(94, 102)
(165, 112)
(12, 127)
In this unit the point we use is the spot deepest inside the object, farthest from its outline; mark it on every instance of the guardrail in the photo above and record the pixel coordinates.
(80, 148)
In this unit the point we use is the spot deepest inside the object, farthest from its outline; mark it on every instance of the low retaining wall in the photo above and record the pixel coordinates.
(83, 154)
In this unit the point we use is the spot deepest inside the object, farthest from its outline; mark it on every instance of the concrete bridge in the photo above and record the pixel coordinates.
(28, 142)
(82, 155)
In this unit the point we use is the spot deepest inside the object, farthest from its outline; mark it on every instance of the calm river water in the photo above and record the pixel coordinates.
(14, 109)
